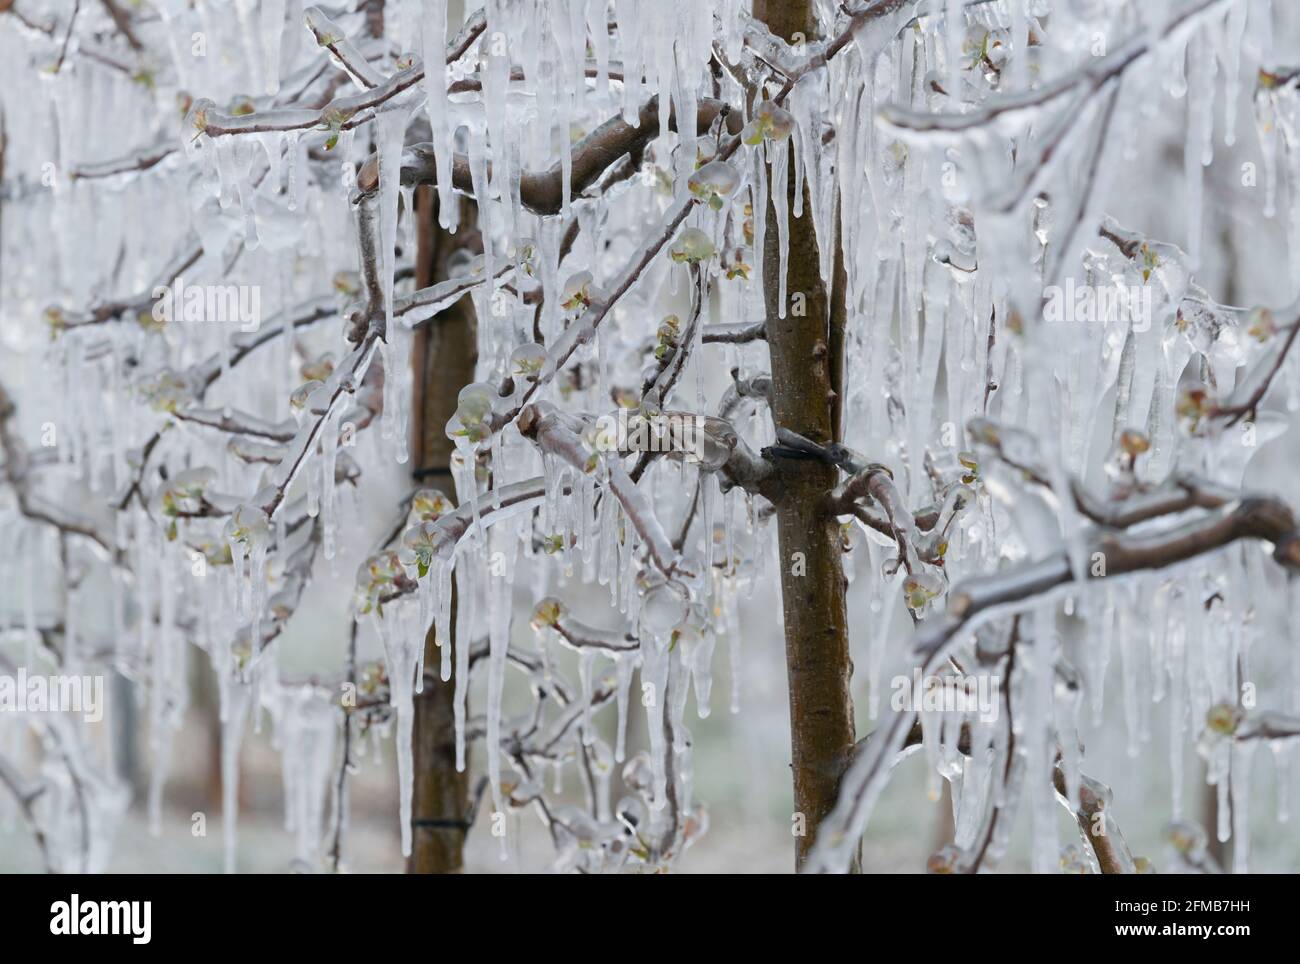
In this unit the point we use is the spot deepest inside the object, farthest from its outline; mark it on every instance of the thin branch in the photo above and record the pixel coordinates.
(122, 21)
(352, 110)
(16, 474)
(67, 36)
(734, 333)
(1091, 75)
(540, 191)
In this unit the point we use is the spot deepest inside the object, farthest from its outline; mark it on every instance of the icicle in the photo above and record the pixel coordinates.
(294, 150)
(1177, 710)
(439, 110)
(586, 665)
(390, 128)
(401, 656)
(1234, 34)
(623, 668)
(1040, 680)
(954, 33)
(1266, 123)
(780, 205)
(499, 592)
(1243, 755)
(1199, 109)
(731, 618)
(655, 658)
(234, 720)
(328, 461)
(442, 621)
(272, 28)
(628, 15)
(931, 724)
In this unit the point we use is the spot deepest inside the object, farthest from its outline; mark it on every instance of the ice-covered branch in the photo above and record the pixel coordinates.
(1247, 517)
(343, 384)
(658, 386)
(543, 424)
(423, 304)
(584, 328)
(342, 113)
(540, 191)
(581, 636)
(205, 374)
(1089, 78)
(974, 600)
(1245, 401)
(735, 333)
(122, 20)
(132, 306)
(1093, 814)
(16, 466)
(328, 35)
(1267, 725)
(877, 482)
(238, 423)
(135, 162)
(25, 796)
(1178, 493)
(1096, 825)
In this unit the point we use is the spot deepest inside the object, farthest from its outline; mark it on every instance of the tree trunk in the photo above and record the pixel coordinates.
(812, 576)
(443, 358)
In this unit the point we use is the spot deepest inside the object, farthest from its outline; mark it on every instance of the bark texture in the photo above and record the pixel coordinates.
(812, 575)
(443, 358)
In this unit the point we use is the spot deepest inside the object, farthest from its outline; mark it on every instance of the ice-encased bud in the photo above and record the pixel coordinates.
(1223, 719)
(1195, 402)
(547, 613)
(601, 757)
(523, 794)
(376, 576)
(474, 403)
(577, 292)
(525, 251)
(300, 401)
(1260, 324)
(430, 504)
(638, 773)
(770, 122)
(1187, 838)
(249, 525)
(578, 823)
(474, 432)
(419, 542)
(944, 861)
(1074, 860)
(664, 608)
(166, 391)
(183, 492)
(714, 183)
(197, 118)
(527, 360)
(319, 369)
(692, 247)
(631, 812)
(920, 589)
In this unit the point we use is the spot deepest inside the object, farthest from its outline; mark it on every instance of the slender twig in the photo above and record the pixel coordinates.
(67, 36)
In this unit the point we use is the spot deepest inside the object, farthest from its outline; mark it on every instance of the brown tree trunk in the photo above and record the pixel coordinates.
(812, 576)
(443, 360)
